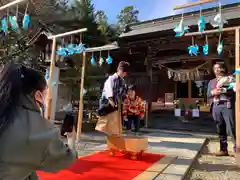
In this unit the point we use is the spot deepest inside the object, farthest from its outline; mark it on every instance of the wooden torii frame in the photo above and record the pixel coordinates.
(49, 100)
(13, 3)
(52, 64)
(71, 141)
(80, 110)
(237, 63)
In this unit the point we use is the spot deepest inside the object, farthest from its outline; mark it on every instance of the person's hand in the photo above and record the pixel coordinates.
(215, 92)
(111, 102)
(125, 118)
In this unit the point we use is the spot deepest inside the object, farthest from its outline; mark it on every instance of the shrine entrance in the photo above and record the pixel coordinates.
(162, 69)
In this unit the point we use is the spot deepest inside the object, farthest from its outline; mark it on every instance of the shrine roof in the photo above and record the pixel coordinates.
(230, 12)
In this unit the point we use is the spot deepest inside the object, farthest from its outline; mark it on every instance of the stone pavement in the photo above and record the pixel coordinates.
(180, 150)
(209, 167)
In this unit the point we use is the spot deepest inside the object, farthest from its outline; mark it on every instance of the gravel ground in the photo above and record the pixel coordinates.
(209, 167)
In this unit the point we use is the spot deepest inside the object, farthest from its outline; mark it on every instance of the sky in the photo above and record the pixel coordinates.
(148, 9)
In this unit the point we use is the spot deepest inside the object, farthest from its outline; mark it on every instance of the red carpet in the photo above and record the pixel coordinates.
(102, 166)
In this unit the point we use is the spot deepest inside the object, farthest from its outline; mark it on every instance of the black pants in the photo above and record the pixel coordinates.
(224, 118)
(133, 119)
(68, 123)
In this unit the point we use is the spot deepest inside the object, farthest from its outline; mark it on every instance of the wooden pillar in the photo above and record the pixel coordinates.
(49, 95)
(81, 102)
(189, 89)
(150, 75)
(237, 108)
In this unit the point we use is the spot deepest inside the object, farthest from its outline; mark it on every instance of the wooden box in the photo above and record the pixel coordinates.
(129, 143)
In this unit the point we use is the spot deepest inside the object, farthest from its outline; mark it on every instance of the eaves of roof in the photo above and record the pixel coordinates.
(167, 23)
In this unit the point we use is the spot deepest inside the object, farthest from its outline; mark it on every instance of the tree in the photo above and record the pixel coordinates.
(107, 30)
(101, 19)
(82, 10)
(126, 16)
(14, 45)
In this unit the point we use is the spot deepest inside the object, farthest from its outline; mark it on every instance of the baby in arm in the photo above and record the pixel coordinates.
(225, 83)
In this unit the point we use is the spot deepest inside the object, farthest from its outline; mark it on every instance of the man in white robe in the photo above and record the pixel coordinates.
(114, 92)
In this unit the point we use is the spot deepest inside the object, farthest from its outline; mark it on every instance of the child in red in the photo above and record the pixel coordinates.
(133, 109)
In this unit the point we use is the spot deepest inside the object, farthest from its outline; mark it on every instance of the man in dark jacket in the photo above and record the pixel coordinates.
(222, 101)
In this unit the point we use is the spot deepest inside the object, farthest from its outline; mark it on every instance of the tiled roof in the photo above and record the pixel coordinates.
(168, 23)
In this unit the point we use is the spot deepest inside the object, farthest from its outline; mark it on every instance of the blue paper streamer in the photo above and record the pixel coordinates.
(220, 48)
(62, 51)
(93, 62)
(205, 49)
(80, 48)
(237, 71)
(219, 21)
(109, 59)
(13, 23)
(180, 29)
(71, 49)
(4, 25)
(101, 61)
(232, 85)
(201, 24)
(26, 21)
(193, 50)
(47, 78)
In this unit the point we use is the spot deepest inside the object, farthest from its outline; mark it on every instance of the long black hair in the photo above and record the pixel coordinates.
(16, 80)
